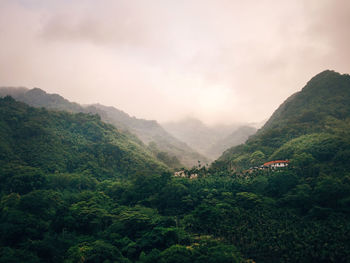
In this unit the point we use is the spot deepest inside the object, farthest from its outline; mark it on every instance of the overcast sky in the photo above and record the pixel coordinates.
(216, 60)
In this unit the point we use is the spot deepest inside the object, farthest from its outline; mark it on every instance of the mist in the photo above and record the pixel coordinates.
(219, 61)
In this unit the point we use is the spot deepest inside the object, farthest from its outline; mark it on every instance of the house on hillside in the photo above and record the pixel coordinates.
(276, 164)
(269, 165)
(183, 174)
(180, 174)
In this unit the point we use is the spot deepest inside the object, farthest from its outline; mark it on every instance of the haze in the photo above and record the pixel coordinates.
(219, 61)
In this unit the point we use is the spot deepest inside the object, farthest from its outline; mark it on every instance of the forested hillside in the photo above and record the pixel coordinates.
(313, 121)
(59, 142)
(74, 189)
(152, 134)
(165, 147)
(302, 210)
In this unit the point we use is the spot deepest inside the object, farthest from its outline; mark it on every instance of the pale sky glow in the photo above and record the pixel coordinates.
(219, 61)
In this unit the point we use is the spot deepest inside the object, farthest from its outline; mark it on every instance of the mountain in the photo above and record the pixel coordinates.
(150, 132)
(39, 98)
(75, 189)
(238, 136)
(313, 121)
(60, 142)
(210, 141)
(166, 147)
(193, 132)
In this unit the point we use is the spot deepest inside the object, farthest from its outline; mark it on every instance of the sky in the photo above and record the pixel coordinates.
(221, 61)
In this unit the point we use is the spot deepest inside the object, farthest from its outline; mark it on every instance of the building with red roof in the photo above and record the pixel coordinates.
(276, 164)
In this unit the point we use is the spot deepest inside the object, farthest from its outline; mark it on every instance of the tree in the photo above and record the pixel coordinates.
(176, 254)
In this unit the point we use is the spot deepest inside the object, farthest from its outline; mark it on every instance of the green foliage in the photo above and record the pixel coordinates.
(313, 121)
(94, 252)
(171, 161)
(10, 255)
(73, 189)
(176, 254)
(248, 200)
(168, 159)
(21, 179)
(173, 151)
(257, 158)
(58, 142)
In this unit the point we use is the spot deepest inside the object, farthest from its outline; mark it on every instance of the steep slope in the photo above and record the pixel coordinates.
(326, 94)
(193, 132)
(39, 98)
(210, 141)
(238, 136)
(321, 107)
(63, 142)
(148, 131)
(14, 92)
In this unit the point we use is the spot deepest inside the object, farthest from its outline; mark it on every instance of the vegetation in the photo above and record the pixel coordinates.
(150, 132)
(74, 189)
(321, 111)
(59, 142)
(144, 130)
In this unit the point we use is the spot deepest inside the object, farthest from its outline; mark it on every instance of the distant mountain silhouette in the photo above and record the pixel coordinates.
(210, 141)
(148, 131)
(62, 142)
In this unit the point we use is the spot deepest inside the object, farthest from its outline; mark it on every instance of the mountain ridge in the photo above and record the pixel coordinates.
(147, 131)
(321, 106)
(59, 142)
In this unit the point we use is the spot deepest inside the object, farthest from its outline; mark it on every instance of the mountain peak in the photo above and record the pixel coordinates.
(325, 79)
(37, 91)
(326, 73)
(325, 97)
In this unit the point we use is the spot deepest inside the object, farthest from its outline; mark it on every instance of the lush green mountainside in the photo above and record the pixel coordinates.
(210, 141)
(63, 142)
(326, 94)
(304, 201)
(320, 110)
(150, 132)
(75, 189)
(163, 144)
(88, 214)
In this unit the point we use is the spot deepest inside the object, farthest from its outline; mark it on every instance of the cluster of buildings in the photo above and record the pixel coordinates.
(276, 164)
(269, 165)
(183, 174)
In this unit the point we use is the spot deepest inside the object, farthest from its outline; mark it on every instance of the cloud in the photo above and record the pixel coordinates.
(330, 28)
(218, 60)
(111, 23)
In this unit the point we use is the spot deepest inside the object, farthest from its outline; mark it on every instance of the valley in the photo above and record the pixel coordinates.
(92, 184)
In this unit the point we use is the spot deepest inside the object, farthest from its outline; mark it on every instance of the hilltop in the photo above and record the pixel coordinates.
(74, 189)
(62, 142)
(164, 146)
(314, 118)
